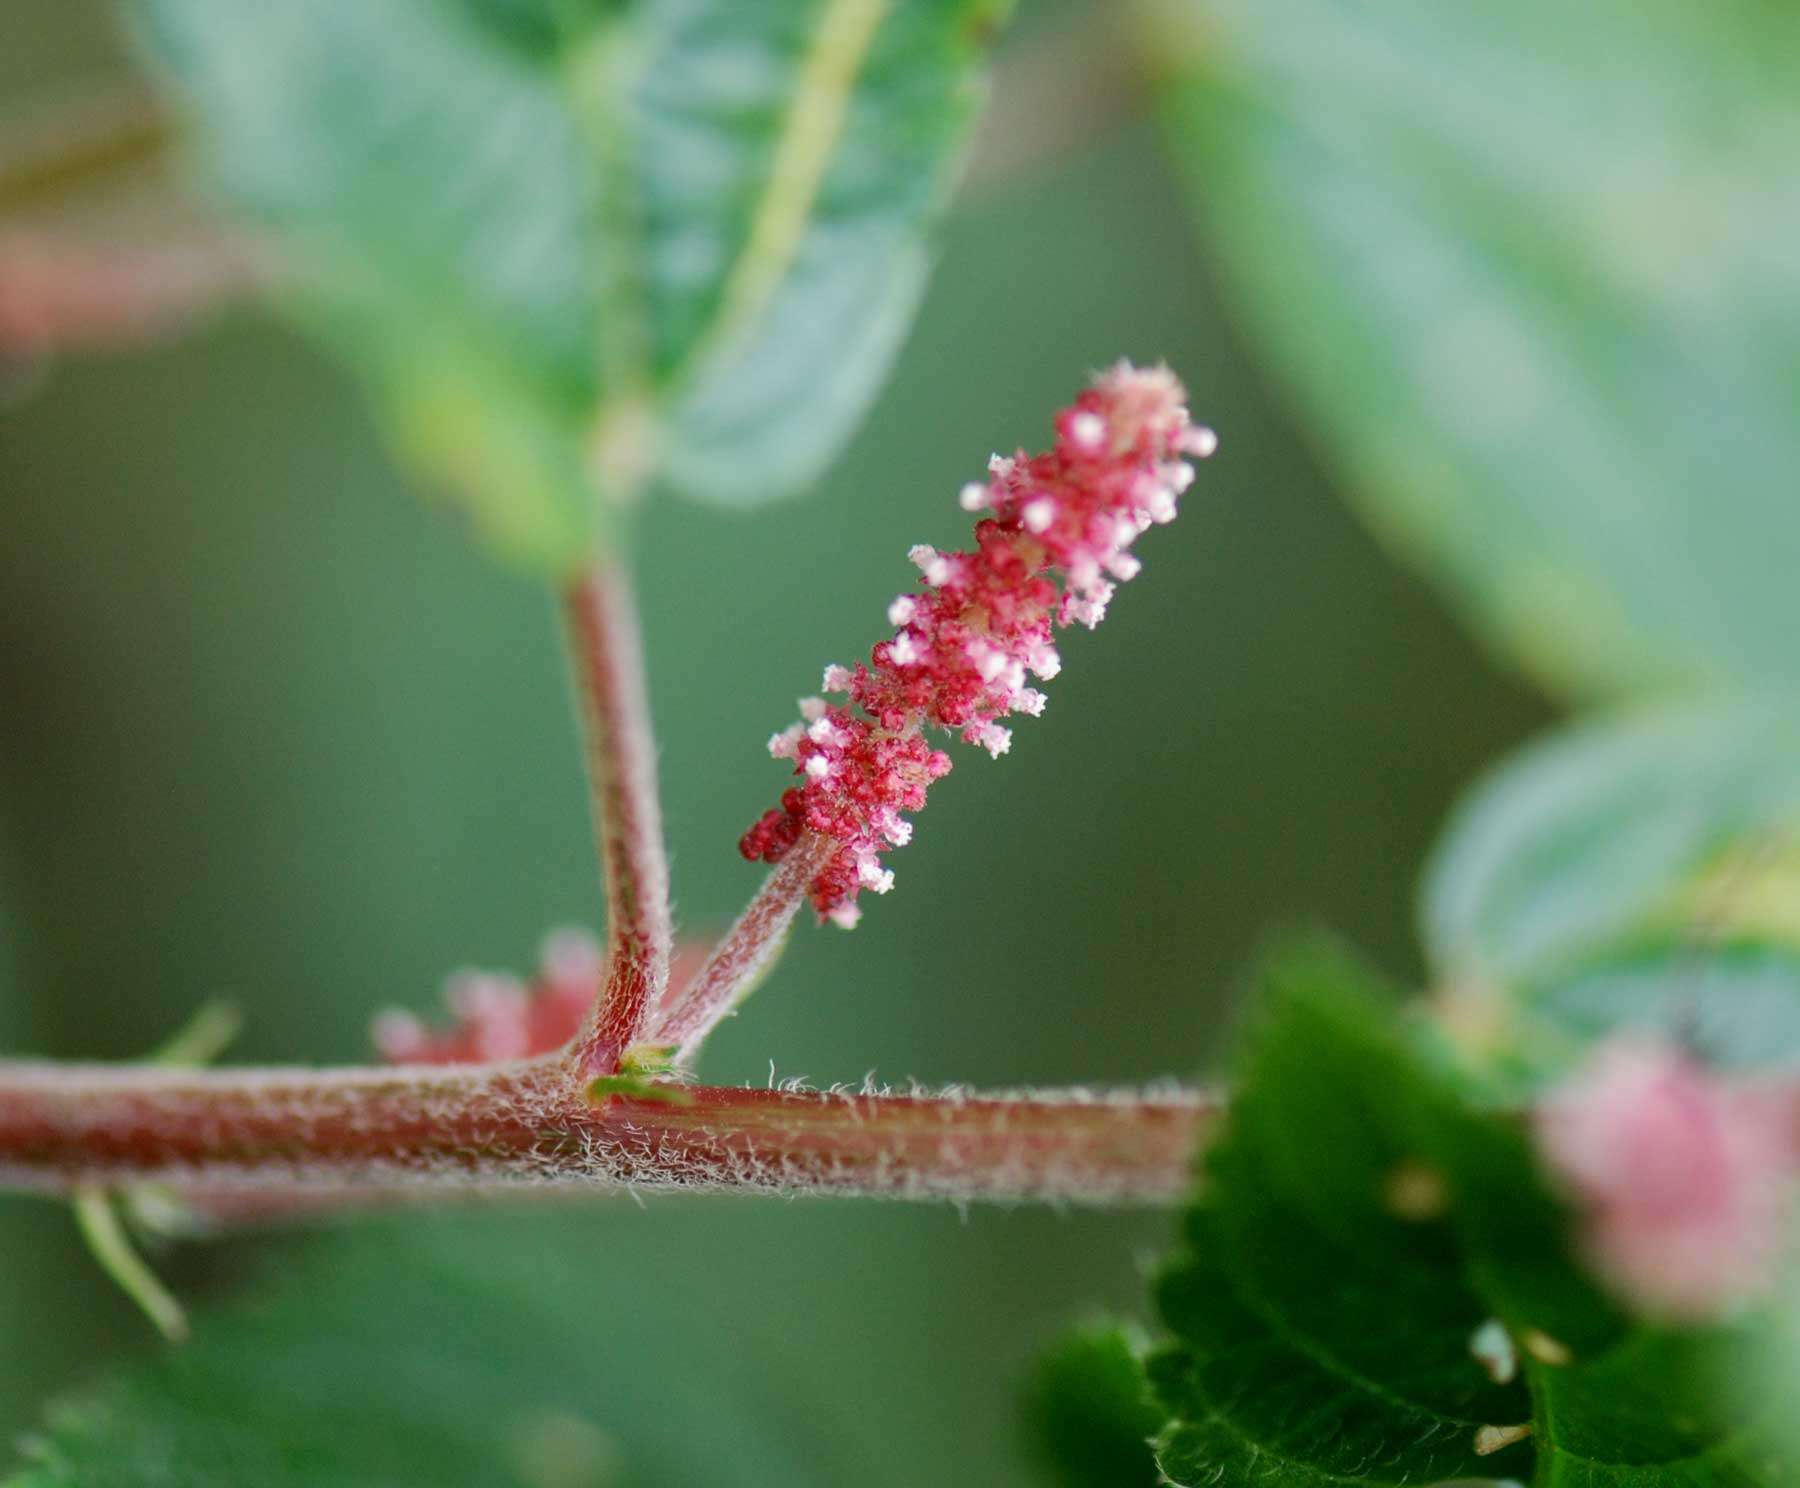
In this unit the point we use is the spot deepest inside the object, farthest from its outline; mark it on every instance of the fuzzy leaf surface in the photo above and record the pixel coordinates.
(1320, 1337)
(1089, 1412)
(1637, 871)
(1357, 1225)
(488, 1350)
(589, 245)
(1525, 270)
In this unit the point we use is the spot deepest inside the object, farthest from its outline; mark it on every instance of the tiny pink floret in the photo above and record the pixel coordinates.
(1680, 1174)
(495, 1015)
(1048, 554)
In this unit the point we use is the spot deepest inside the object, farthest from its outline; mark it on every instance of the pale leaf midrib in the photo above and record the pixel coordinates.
(804, 149)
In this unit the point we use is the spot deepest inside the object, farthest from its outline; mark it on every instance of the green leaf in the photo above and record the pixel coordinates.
(486, 1349)
(795, 159)
(1361, 1233)
(583, 245)
(1637, 871)
(1320, 1336)
(1089, 1411)
(434, 190)
(1524, 268)
(1616, 1402)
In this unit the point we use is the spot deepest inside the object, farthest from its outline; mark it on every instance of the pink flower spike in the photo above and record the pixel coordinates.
(1680, 1175)
(1049, 553)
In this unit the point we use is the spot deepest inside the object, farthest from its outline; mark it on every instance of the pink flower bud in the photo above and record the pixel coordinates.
(496, 1016)
(1680, 1175)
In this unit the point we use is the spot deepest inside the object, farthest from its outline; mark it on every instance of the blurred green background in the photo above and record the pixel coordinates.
(270, 728)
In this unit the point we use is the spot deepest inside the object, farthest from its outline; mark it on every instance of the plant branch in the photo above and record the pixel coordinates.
(606, 652)
(65, 1127)
(59, 293)
(745, 955)
(83, 141)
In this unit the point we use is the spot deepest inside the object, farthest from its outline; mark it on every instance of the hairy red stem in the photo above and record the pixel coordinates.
(607, 656)
(297, 1130)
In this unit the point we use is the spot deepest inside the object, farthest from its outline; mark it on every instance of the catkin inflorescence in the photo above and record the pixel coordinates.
(1053, 545)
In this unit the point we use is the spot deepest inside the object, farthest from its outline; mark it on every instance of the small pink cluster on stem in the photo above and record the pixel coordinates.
(62, 295)
(1681, 1176)
(1055, 542)
(495, 1015)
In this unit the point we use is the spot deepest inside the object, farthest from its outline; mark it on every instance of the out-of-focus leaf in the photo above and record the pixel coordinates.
(1639, 871)
(579, 246)
(435, 190)
(1527, 268)
(420, 1351)
(1360, 1235)
(794, 159)
(1089, 1411)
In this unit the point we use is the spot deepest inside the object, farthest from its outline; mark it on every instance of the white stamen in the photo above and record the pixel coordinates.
(477, 994)
(1087, 429)
(398, 1035)
(844, 916)
(902, 651)
(1493, 1348)
(973, 497)
(1030, 701)
(901, 611)
(812, 709)
(837, 678)
(1038, 515)
(1089, 608)
(571, 955)
(1200, 441)
(995, 739)
(817, 767)
(989, 662)
(1124, 566)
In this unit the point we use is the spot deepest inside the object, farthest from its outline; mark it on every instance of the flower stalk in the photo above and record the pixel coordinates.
(607, 655)
(506, 1099)
(744, 957)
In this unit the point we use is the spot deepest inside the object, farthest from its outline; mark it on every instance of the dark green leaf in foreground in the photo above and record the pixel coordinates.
(1640, 871)
(1616, 1403)
(1528, 268)
(479, 1349)
(1376, 1289)
(579, 246)
(1320, 1336)
(1089, 1411)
